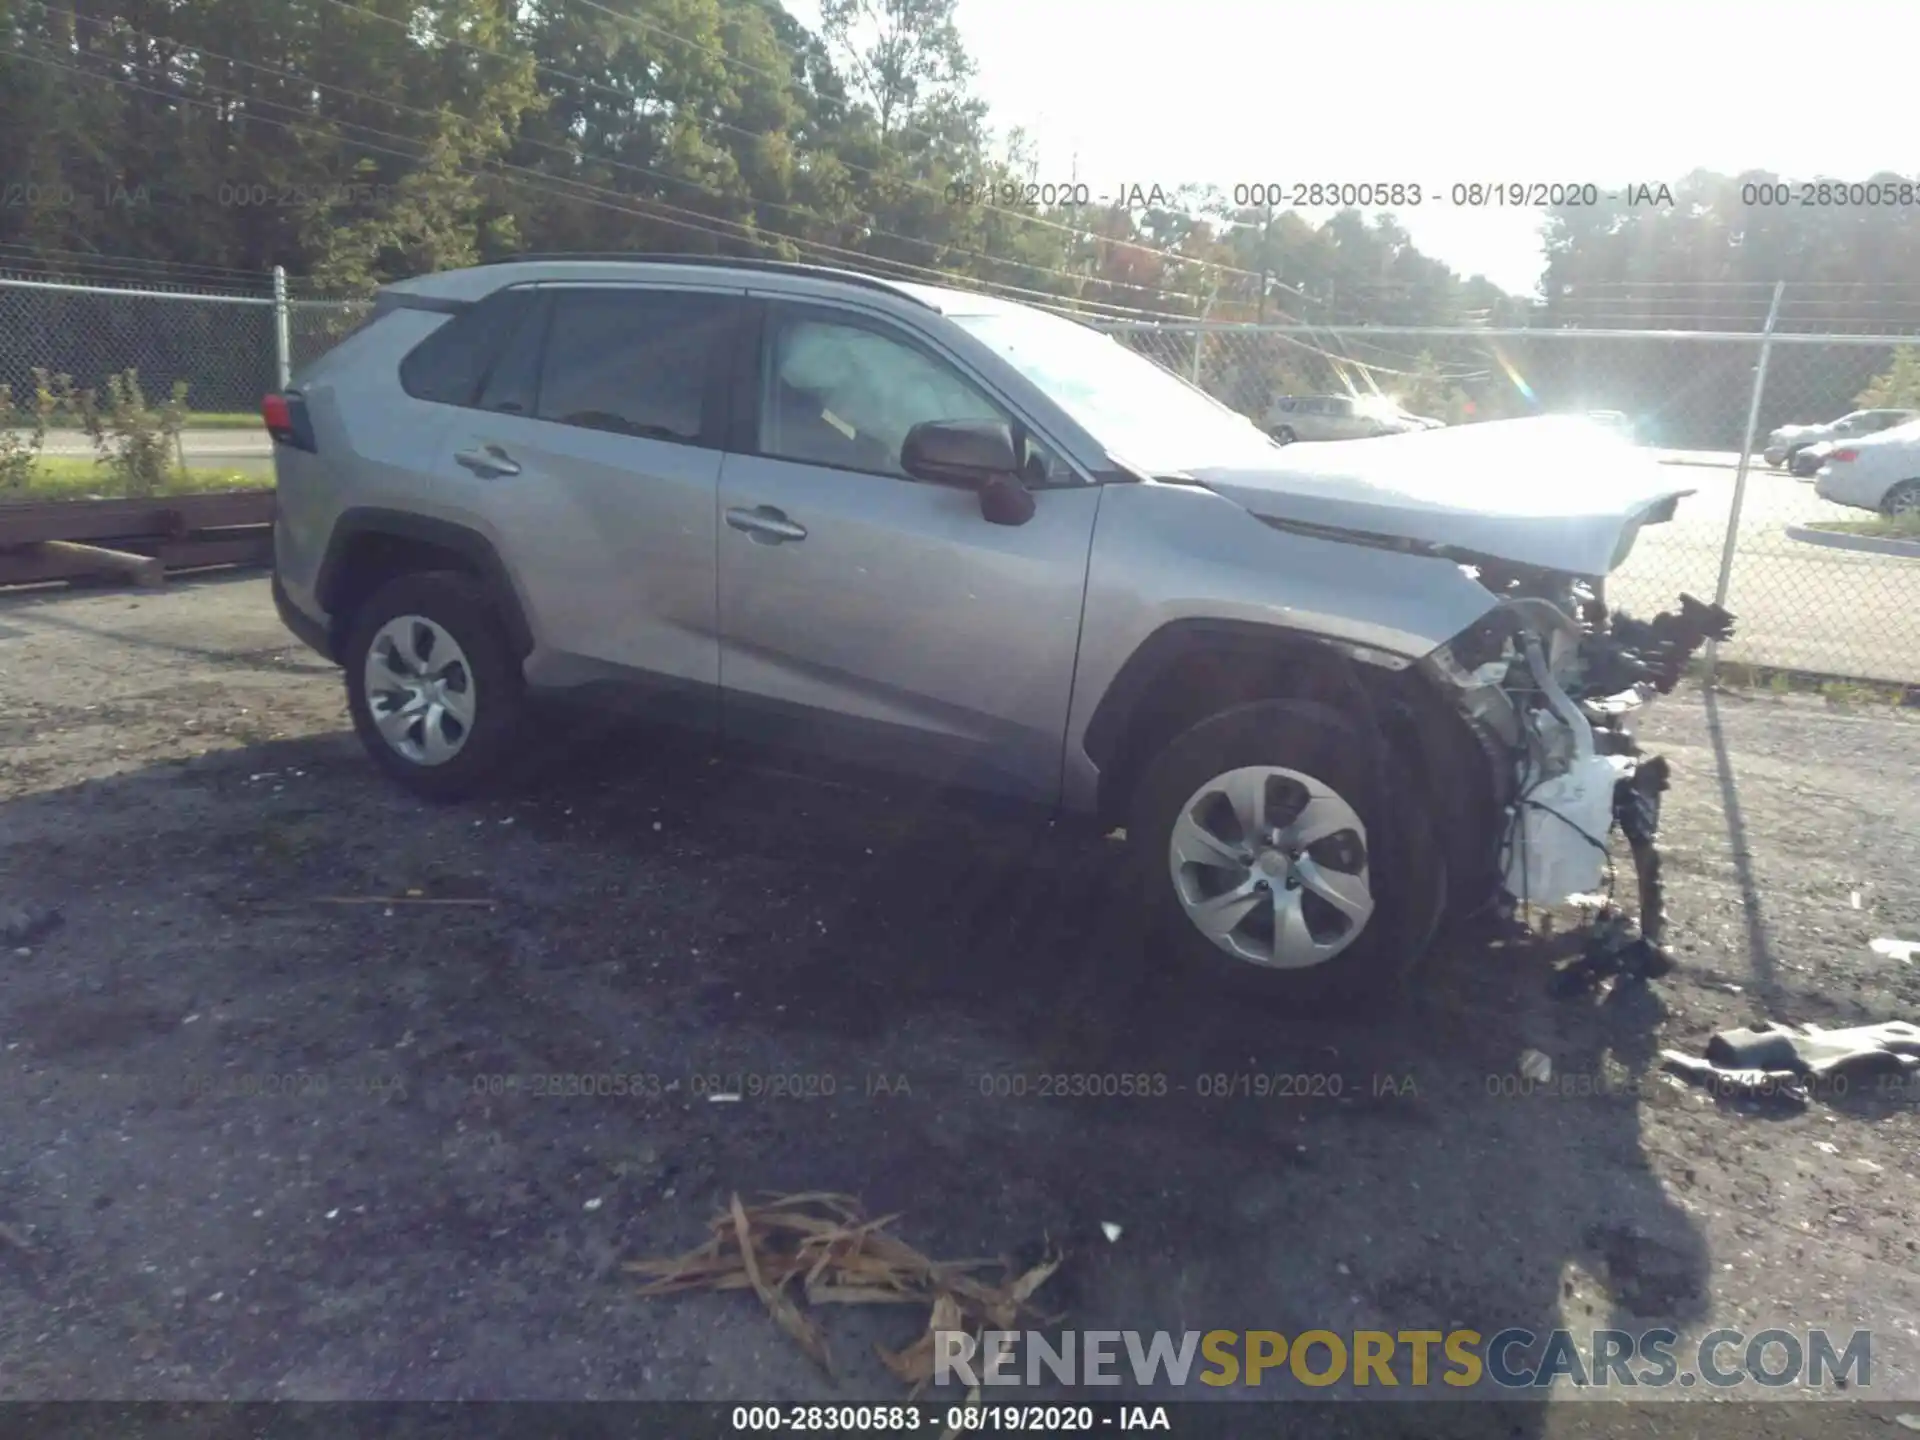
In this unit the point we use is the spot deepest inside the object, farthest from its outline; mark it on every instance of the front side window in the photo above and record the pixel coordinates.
(845, 395)
(1144, 414)
(634, 362)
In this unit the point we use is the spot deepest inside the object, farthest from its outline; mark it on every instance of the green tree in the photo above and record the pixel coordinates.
(1897, 387)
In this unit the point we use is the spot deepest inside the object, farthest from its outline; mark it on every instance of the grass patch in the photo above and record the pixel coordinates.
(74, 478)
(196, 420)
(1835, 690)
(225, 420)
(1883, 527)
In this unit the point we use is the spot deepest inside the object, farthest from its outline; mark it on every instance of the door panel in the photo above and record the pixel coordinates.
(904, 630)
(597, 476)
(878, 618)
(610, 539)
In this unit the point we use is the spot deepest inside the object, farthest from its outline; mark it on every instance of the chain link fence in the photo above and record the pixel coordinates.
(225, 345)
(1687, 395)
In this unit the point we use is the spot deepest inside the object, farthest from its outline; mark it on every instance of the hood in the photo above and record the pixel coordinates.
(1559, 493)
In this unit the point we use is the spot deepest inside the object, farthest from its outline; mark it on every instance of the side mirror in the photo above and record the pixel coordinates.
(979, 454)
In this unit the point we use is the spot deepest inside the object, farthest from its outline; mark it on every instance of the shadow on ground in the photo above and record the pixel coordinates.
(929, 1006)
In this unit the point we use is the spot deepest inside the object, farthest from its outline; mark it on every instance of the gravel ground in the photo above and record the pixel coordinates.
(256, 1145)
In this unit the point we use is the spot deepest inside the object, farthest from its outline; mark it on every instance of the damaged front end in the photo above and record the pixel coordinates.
(1550, 681)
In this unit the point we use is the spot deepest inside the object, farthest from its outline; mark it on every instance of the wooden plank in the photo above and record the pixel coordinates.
(144, 570)
(159, 516)
(41, 563)
(229, 549)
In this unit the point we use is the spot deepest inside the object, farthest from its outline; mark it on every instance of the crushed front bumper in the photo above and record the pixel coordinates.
(1557, 696)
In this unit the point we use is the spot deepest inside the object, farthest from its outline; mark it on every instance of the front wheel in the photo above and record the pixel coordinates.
(1272, 859)
(1283, 435)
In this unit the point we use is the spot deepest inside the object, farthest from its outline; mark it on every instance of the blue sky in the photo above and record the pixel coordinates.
(1468, 90)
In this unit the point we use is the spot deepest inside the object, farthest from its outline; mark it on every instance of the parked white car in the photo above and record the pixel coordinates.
(1879, 472)
(1787, 441)
(1341, 417)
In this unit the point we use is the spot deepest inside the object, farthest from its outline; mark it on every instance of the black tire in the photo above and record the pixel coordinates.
(1283, 434)
(458, 604)
(1905, 490)
(1406, 867)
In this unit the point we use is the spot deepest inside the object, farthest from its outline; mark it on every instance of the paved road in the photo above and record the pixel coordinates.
(1799, 606)
(244, 450)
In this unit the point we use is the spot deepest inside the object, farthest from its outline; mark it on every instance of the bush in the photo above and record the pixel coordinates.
(1897, 387)
(137, 441)
(19, 452)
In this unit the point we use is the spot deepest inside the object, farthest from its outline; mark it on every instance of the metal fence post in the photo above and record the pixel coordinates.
(282, 338)
(1200, 330)
(1740, 474)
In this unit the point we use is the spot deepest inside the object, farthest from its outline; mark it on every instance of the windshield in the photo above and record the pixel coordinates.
(1145, 415)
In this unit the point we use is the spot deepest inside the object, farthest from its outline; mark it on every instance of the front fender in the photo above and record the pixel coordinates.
(1166, 553)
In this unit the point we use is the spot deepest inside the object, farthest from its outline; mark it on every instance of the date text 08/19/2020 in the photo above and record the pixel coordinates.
(1393, 194)
(1305, 194)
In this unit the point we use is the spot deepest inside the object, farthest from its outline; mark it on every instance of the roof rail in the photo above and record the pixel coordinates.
(718, 262)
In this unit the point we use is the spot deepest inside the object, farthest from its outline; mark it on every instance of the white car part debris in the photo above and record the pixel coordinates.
(1556, 845)
(1896, 949)
(1536, 1065)
(1110, 1230)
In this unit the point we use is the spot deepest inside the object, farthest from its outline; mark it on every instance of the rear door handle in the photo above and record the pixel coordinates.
(765, 525)
(488, 461)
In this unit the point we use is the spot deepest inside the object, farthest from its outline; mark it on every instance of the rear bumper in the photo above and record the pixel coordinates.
(310, 632)
(1843, 488)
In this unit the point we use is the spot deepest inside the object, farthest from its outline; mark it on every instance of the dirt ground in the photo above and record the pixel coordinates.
(257, 1145)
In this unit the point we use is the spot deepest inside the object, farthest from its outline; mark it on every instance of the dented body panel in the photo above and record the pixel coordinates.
(1164, 554)
(1559, 493)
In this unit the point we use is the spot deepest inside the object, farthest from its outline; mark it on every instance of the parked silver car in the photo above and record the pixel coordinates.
(1340, 417)
(1328, 694)
(1788, 440)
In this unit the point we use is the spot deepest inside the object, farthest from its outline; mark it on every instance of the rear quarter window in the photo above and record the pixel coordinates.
(451, 365)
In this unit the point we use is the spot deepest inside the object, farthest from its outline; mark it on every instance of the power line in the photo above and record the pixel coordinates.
(93, 258)
(400, 106)
(545, 187)
(920, 185)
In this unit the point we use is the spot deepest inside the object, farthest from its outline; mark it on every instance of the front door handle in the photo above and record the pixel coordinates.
(488, 461)
(765, 525)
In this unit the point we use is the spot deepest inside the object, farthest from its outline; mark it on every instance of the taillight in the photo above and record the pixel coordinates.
(287, 422)
(1843, 455)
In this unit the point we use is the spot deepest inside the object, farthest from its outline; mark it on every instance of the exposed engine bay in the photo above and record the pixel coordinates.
(1551, 681)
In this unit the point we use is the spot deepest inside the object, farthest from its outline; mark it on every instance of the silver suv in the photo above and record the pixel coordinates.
(923, 530)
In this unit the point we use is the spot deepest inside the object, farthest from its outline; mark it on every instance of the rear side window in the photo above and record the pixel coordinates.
(451, 364)
(635, 362)
(514, 378)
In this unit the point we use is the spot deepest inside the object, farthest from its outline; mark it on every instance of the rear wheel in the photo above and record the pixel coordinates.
(1271, 858)
(1903, 499)
(1283, 434)
(433, 688)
